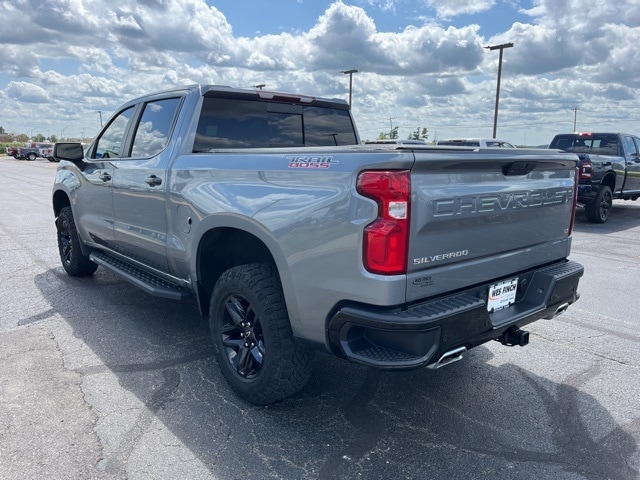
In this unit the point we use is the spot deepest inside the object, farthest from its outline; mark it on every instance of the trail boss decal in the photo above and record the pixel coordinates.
(313, 162)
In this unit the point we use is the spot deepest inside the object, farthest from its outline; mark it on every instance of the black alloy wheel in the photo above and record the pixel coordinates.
(73, 260)
(252, 336)
(598, 211)
(242, 337)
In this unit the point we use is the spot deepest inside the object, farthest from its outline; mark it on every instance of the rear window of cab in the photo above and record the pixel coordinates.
(245, 123)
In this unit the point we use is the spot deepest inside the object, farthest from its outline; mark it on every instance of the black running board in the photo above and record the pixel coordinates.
(150, 283)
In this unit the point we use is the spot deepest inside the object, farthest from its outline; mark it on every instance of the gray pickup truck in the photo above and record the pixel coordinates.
(292, 237)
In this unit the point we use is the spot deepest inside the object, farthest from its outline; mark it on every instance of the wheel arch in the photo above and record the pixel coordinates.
(609, 180)
(223, 247)
(60, 200)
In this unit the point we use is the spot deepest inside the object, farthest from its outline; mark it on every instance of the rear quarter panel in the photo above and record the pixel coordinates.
(311, 219)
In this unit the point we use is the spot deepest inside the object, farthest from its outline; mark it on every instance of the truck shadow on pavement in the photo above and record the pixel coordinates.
(164, 409)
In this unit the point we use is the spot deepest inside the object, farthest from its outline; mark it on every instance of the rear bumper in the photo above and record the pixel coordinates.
(417, 335)
(587, 193)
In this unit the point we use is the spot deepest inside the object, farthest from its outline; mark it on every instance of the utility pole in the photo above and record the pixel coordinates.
(260, 86)
(350, 73)
(575, 118)
(501, 48)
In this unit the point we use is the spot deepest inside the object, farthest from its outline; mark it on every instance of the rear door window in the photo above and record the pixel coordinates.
(154, 128)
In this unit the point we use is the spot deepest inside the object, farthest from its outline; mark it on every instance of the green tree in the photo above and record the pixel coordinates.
(53, 139)
(392, 135)
(22, 138)
(419, 134)
(2, 130)
(40, 138)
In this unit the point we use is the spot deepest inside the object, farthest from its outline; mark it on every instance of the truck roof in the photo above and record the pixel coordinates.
(266, 95)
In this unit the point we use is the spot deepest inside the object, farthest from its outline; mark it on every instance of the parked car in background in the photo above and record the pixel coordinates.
(32, 150)
(45, 150)
(609, 169)
(476, 142)
(395, 141)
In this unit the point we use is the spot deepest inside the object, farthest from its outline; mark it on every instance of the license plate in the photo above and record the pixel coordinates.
(502, 294)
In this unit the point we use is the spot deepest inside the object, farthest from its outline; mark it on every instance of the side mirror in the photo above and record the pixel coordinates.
(72, 152)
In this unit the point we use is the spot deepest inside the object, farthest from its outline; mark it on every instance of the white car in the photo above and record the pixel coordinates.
(395, 141)
(476, 142)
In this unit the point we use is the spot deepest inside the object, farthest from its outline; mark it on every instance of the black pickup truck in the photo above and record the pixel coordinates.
(609, 169)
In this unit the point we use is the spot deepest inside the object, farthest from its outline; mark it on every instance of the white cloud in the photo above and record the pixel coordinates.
(446, 9)
(345, 37)
(27, 92)
(91, 55)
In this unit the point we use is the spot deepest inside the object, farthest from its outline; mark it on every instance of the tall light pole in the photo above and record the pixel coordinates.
(501, 48)
(350, 73)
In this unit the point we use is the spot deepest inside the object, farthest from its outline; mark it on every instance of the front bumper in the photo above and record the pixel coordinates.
(417, 335)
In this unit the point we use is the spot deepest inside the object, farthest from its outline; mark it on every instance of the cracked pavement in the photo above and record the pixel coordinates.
(100, 381)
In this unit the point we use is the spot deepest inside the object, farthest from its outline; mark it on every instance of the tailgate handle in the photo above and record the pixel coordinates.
(518, 168)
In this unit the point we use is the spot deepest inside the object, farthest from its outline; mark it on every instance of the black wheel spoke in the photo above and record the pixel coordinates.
(233, 343)
(258, 353)
(244, 362)
(235, 310)
(230, 329)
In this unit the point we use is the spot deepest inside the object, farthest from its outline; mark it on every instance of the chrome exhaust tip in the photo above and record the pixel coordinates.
(448, 357)
(561, 309)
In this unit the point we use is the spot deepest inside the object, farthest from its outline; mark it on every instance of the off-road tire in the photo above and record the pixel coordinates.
(252, 335)
(598, 211)
(73, 260)
(31, 156)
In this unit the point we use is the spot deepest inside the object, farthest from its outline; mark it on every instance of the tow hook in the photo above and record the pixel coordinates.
(514, 336)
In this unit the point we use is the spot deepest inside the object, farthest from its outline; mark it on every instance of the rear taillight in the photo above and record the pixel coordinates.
(386, 239)
(586, 170)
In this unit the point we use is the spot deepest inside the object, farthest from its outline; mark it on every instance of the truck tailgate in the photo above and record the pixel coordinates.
(487, 217)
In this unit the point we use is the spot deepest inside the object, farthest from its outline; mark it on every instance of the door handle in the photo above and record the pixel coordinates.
(104, 176)
(153, 180)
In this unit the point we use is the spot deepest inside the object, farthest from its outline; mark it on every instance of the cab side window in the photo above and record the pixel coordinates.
(154, 128)
(111, 141)
(630, 146)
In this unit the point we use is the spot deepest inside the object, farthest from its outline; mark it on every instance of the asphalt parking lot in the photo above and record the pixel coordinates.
(100, 381)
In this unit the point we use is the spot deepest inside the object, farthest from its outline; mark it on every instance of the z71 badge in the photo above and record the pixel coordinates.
(311, 161)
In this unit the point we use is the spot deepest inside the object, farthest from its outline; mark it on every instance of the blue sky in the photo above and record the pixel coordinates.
(247, 16)
(420, 63)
